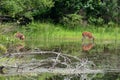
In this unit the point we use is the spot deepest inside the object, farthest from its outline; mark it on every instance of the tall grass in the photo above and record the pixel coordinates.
(47, 34)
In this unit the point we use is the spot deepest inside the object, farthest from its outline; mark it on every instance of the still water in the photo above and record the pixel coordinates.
(96, 62)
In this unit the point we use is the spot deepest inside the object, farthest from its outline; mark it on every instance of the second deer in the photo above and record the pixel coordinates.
(88, 35)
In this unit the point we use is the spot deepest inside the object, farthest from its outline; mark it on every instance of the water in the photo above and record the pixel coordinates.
(96, 62)
(107, 76)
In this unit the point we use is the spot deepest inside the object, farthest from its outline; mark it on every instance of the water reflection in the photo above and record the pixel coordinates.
(87, 46)
(107, 76)
(102, 60)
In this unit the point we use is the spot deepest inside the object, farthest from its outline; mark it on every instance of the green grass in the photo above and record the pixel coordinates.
(47, 34)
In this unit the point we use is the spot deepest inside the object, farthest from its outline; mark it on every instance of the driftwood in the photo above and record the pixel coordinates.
(51, 64)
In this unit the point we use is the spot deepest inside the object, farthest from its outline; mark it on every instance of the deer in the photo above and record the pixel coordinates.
(88, 35)
(19, 36)
(19, 46)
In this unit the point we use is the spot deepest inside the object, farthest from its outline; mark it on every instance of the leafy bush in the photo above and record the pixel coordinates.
(64, 7)
(10, 7)
(27, 8)
(3, 49)
(105, 10)
(71, 20)
(111, 24)
(96, 21)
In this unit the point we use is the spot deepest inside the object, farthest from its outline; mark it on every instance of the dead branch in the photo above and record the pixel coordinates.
(50, 64)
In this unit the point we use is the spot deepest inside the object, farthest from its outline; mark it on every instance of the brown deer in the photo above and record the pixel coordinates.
(87, 35)
(19, 36)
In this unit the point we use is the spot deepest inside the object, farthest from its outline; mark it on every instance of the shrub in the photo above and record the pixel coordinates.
(111, 24)
(27, 8)
(63, 7)
(3, 49)
(96, 21)
(71, 20)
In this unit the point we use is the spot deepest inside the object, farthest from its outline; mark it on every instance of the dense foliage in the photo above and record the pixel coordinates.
(27, 8)
(96, 12)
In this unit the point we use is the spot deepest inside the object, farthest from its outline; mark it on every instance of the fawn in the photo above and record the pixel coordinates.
(87, 35)
(19, 36)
